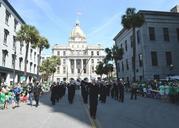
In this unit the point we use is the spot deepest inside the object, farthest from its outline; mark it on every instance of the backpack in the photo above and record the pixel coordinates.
(30, 88)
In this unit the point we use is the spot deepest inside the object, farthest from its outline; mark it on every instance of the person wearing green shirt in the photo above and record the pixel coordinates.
(172, 93)
(177, 90)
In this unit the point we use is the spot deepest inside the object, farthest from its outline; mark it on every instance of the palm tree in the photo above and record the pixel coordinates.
(132, 20)
(55, 60)
(109, 55)
(41, 44)
(100, 69)
(27, 34)
(108, 69)
(113, 54)
(117, 55)
(45, 69)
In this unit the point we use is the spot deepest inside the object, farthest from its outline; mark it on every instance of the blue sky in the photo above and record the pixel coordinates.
(100, 19)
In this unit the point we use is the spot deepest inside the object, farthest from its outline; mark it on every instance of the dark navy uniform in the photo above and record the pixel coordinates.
(103, 92)
(93, 99)
(84, 91)
(71, 92)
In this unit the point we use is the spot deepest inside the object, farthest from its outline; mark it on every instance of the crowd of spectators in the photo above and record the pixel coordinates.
(13, 95)
(163, 89)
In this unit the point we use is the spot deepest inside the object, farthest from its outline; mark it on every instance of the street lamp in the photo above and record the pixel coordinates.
(171, 68)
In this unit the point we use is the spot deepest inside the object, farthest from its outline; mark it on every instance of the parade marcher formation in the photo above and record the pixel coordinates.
(91, 92)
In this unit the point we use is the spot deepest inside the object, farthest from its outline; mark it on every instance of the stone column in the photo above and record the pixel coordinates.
(82, 70)
(71, 66)
(67, 68)
(75, 66)
(89, 69)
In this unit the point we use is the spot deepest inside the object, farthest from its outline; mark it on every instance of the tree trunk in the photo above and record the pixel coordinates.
(52, 77)
(46, 78)
(101, 76)
(38, 66)
(134, 53)
(26, 56)
(117, 75)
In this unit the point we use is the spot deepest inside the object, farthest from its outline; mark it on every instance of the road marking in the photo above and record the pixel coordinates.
(94, 123)
(86, 110)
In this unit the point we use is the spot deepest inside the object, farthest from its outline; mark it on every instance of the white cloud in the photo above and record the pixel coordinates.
(108, 24)
(22, 7)
(49, 12)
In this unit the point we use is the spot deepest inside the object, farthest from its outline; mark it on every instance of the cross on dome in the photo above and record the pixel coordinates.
(77, 34)
(77, 23)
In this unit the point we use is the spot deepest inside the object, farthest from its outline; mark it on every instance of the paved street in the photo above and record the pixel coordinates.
(141, 113)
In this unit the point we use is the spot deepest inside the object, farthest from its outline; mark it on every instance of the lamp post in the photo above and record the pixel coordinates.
(84, 66)
(14, 71)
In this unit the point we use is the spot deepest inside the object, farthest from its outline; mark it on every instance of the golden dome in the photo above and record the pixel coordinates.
(77, 33)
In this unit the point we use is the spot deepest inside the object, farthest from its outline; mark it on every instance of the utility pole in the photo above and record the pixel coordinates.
(86, 65)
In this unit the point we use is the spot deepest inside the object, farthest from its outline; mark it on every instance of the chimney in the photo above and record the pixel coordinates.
(175, 9)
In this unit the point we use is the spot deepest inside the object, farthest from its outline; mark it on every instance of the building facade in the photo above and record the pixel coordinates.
(78, 59)
(157, 47)
(12, 52)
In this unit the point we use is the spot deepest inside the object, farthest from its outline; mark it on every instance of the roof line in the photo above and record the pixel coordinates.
(149, 12)
(14, 11)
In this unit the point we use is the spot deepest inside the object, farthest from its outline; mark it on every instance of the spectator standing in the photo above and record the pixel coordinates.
(30, 91)
(17, 91)
(134, 90)
(121, 90)
(37, 91)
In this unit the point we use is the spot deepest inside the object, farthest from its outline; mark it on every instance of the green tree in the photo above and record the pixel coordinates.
(48, 67)
(114, 54)
(41, 44)
(108, 69)
(45, 69)
(132, 20)
(27, 34)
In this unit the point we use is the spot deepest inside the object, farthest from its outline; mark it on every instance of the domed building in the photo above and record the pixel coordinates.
(78, 59)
